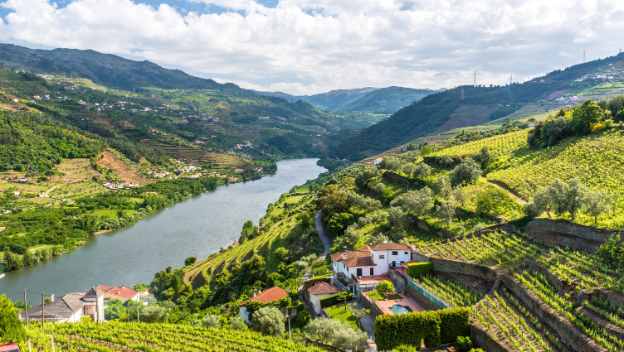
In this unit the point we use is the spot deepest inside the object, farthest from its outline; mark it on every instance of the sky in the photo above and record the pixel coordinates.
(311, 46)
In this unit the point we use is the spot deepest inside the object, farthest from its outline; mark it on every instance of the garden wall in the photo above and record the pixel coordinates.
(564, 233)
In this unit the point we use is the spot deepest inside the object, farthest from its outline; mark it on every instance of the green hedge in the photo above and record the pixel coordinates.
(419, 269)
(343, 296)
(454, 322)
(407, 329)
(434, 327)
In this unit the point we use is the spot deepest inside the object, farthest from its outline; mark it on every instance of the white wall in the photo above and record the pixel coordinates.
(385, 263)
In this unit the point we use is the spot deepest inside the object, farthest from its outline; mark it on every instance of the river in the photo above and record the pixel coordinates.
(196, 227)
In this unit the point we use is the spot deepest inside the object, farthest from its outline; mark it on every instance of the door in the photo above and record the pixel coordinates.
(372, 271)
(393, 264)
(359, 272)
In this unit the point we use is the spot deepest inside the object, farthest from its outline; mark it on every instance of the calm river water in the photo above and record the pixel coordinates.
(196, 227)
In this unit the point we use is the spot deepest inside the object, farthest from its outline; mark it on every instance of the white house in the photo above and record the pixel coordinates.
(371, 261)
(68, 309)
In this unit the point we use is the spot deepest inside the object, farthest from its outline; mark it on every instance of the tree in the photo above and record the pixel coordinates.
(385, 287)
(115, 310)
(11, 329)
(586, 115)
(446, 210)
(211, 321)
(248, 232)
(612, 252)
(390, 163)
(442, 187)
(335, 333)
(492, 202)
(484, 158)
(269, 320)
(237, 323)
(421, 170)
(189, 261)
(416, 203)
(468, 172)
(396, 218)
(596, 204)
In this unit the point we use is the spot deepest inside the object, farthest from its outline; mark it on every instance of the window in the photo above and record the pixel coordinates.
(358, 272)
(372, 271)
(395, 253)
(402, 262)
(405, 252)
(381, 256)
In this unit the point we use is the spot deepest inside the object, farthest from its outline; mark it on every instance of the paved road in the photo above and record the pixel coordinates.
(320, 229)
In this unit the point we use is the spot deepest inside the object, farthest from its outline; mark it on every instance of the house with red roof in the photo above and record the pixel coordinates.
(317, 292)
(268, 296)
(122, 293)
(10, 347)
(371, 261)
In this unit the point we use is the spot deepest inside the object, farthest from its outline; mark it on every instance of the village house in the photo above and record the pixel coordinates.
(371, 261)
(318, 292)
(69, 309)
(268, 296)
(123, 294)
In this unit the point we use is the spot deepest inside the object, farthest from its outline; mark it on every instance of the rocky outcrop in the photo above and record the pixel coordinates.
(564, 233)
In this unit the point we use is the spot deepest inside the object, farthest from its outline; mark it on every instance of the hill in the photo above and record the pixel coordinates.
(470, 105)
(362, 100)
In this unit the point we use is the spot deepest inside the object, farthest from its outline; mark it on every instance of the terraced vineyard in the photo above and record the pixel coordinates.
(450, 291)
(563, 304)
(134, 337)
(500, 145)
(596, 161)
(277, 224)
(492, 249)
(511, 324)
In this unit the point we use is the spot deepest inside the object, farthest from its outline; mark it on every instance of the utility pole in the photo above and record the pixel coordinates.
(42, 308)
(26, 305)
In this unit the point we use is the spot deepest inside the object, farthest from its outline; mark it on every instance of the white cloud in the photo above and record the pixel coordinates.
(304, 46)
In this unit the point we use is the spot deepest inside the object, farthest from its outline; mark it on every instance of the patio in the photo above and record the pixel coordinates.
(400, 305)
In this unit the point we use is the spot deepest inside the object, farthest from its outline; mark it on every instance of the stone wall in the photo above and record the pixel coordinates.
(564, 233)
(447, 266)
(568, 334)
(484, 340)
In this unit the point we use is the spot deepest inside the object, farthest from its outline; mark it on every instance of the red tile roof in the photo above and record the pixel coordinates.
(354, 258)
(11, 347)
(270, 295)
(322, 288)
(392, 246)
(121, 293)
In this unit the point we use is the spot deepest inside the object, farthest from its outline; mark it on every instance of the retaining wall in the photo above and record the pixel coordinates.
(484, 340)
(564, 233)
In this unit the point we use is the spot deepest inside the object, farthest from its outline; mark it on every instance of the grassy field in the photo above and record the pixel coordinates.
(344, 313)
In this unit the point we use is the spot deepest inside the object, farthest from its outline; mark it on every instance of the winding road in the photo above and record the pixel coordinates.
(320, 229)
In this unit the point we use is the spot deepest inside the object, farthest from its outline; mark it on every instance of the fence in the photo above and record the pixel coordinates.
(424, 293)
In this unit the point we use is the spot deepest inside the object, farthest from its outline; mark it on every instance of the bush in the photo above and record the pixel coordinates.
(211, 321)
(434, 327)
(385, 287)
(11, 329)
(418, 269)
(340, 297)
(468, 172)
(464, 343)
(269, 320)
(454, 322)
(335, 333)
(237, 323)
(407, 329)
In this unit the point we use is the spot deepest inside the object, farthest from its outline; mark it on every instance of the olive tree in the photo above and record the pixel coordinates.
(468, 172)
(335, 333)
(11, 329)
(269, 320)
(416, 203)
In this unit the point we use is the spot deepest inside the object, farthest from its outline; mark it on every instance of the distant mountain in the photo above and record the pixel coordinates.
(105, 69)
(470, 105)
(371, 100)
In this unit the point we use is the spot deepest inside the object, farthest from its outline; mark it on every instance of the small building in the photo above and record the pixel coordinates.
(319, 291)
(268, 296)
(69, 309)
(371, 261)
(122, 293)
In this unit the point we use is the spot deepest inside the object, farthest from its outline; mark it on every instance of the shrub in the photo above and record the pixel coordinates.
(237, 323)
(340, 297)
(468, 172)
(211, 321)
(11, 329)
(269, 320)
(407, 329)
(434, 327)
(385, 287)
(464, 343)
(612, 253)
(454, 322)
(335, 333)
(419, 269)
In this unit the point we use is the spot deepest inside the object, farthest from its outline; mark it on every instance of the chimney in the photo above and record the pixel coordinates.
(52, 298)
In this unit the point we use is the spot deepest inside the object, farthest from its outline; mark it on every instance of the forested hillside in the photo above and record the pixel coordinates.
(470, 105)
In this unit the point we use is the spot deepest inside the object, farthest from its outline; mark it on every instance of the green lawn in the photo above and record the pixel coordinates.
(343, 313)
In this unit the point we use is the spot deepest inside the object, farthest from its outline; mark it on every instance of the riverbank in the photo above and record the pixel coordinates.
(198, 226)
(76, 223)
